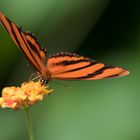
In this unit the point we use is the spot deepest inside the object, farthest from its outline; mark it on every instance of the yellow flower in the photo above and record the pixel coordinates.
(28, 94)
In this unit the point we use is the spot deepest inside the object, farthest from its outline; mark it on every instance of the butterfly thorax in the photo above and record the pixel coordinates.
(46, 78)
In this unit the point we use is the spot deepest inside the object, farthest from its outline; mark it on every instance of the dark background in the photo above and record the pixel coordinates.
(107, 31)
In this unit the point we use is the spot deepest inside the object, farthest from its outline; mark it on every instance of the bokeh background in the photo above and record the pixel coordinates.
(105, 30)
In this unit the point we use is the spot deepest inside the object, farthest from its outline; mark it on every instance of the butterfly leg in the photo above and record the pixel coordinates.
(34, 77)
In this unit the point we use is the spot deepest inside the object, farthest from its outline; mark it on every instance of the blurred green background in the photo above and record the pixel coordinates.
(105, 30)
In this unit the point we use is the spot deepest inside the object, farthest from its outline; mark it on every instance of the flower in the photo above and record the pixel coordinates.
(19, 97)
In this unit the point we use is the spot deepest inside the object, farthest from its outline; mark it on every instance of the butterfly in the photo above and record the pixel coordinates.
(63, 65)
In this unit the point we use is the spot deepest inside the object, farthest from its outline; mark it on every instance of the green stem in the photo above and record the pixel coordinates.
(29, 123)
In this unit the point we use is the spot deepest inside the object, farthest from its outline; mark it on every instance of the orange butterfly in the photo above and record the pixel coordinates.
(63, 66)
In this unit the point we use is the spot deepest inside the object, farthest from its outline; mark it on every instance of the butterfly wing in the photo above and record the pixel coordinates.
(27, 43)
(67, 66)
(62, 65)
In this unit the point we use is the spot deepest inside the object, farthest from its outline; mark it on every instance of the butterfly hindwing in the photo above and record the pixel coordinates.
(26, 42)
(67, 66)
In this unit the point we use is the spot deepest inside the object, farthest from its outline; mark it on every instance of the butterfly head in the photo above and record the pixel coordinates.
(44, 80)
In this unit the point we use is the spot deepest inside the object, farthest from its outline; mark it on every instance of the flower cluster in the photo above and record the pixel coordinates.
(19, 97)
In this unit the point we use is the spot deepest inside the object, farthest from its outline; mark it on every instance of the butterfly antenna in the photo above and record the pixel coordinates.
(64, 85)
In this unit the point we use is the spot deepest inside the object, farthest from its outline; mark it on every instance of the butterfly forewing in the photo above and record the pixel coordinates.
(26, 42)
(75, 67)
